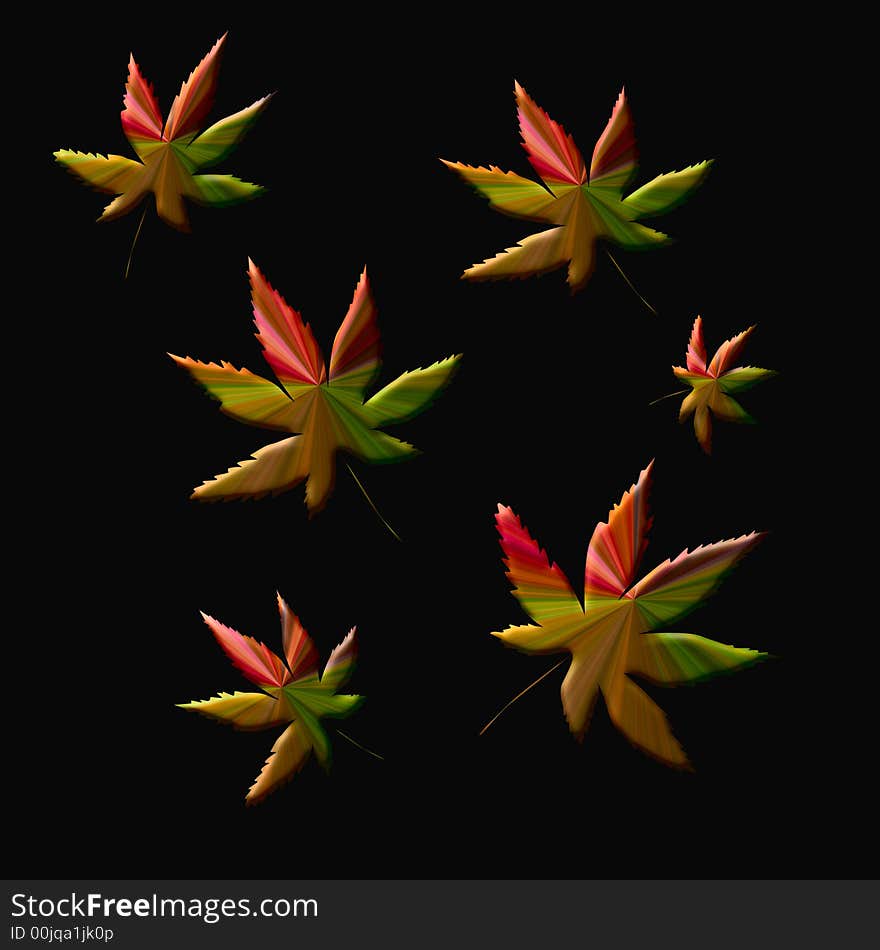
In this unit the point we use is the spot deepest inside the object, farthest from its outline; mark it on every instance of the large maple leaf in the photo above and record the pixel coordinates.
(170, 154)
(293, 694)
(582, 206)
(325, 409)
(609, 635)
(712, 383)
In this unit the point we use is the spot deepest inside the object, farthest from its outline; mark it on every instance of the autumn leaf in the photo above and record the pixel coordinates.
(293, 695)
(170, 154)
(582, 207)
(609, 635)
(712, 384)
(326, 410)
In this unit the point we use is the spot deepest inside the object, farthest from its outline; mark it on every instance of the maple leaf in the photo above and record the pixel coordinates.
(170, 155)
(712, 384)
(582, 207)
(609, 635)
(325, 409)
(292, 694)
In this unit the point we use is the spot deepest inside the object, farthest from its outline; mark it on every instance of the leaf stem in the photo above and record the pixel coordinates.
(375, 755)
(136, 236)
(677, 392)
(631, 286)
(515, 698)
(370, 500)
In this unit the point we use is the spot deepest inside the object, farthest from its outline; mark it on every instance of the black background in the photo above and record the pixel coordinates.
(549, 413)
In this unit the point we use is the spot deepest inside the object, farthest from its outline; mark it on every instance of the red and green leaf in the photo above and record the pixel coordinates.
(170, 156)
(294, 695)
(612, 634)
(712, 384)
(584, 209)
(325, 412)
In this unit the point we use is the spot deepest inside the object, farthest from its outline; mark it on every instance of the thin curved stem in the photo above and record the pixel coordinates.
(375, 755)
(370, 500)
(136, 236)
(631, 286)
(515, 698)
(677, 392)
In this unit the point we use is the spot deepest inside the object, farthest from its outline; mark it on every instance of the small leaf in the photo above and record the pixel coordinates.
(711, 385)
